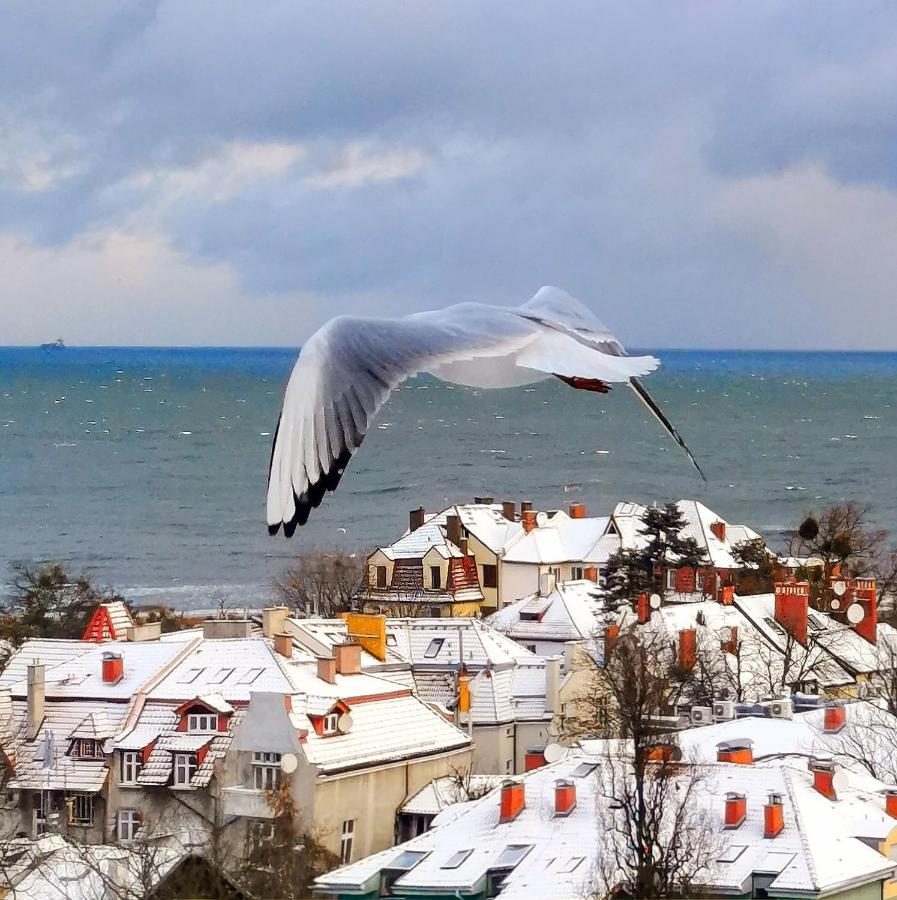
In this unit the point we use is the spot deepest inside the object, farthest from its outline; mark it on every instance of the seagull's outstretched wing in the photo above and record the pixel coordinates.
(344, 374)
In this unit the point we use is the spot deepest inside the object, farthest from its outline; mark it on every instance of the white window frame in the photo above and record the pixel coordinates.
(127, 824)
(184, 764)
(204, 722)
(80, 810)
(347, 841)
(266, 771)
(87, 748)
(671, 579)
(331, 723)
(131, 763)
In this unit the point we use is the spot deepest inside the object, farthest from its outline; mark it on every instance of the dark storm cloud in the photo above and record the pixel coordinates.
(464, 151)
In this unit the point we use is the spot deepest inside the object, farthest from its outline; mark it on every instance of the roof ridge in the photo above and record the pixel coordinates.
(787, 776)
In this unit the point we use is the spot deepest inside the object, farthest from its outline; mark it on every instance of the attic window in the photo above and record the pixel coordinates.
(771, 622)
(221, 676)
(571, 865)
(815, 623)
(584, 769)
(511, 855)
(331, 723)
(390, 640)
(407, 860)
(86, 748)
(731, 853)
(433, 650)
(250, 676)
(190, 675)
(456, 859)
(202, 722)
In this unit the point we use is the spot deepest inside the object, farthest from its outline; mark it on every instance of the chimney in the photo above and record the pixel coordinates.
(792, 602)
(483, 501)
(327, 669)
(866, 596)
(611, 633)
(416, 518)
(773, 817)
(463, 691)
(577, 510)
(719, 530)
(824, 777)
(526, 506)
(739, 751)
(513, 800)
(36, 694)
(727, 595)
(553, 684)
(835, 718)
(509, 510)
(453, 529)
(283, 644)
(688, 648)
(224, 629)
(534, 758)
(273, 619)
(529, 520)
(643, 608)
(590, 573)
(546, 583)
(736, 809)
(369, 631)
(564, 797)
(891, 802)
(145, 631)
(348, 659)
(113, 668)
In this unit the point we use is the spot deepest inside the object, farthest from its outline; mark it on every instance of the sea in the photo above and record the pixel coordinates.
(145, 468)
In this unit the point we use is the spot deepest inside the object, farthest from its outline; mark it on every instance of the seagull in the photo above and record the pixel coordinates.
(347, 369)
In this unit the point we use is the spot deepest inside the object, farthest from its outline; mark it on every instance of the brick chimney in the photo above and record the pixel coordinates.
(719, 530)
(509, 510)
(525, 506)
(736, 809)
(866, 595)
(577, 510)
(416, 518)
(792, 604)
(727, 594)
(113, 668)
(835, 718)
(483, 501)
(283, 644)
(739, 751)
(348, 658)
(453, 529)
(534, 758)
(611, 633)
(564, 797)
(643, 608)
(36, 695)
(327, 669)
(529, 520)
(513, 800)
(273, 619)
(688, 648)
(824, 777)
(590, 573)
(891, 802)
(773, 816)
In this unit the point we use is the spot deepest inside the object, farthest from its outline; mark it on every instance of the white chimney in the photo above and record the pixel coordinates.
(36, 694)
(546, 583)
(553, 684)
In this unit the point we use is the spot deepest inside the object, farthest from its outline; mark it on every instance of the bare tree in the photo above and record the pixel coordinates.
(323, 583)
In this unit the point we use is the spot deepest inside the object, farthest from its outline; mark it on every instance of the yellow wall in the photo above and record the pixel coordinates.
(484, 556)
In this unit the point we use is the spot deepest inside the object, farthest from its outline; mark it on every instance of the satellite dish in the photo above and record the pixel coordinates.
(554, 752)
(836, 603)
(840, 588)
(541, 518)
(344, 723)
(855, 613)
(839, 780)
(654, 600)
(289, 763)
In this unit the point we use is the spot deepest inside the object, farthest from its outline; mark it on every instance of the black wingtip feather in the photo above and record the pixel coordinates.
(311, 498)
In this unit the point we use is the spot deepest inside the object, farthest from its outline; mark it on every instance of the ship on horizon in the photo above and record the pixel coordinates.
(58, 344)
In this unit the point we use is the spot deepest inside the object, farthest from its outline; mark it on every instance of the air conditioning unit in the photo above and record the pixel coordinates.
(781, 709)
(723, 710)
(701, 715)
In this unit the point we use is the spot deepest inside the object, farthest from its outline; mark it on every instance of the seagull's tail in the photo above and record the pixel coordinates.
(657, 412)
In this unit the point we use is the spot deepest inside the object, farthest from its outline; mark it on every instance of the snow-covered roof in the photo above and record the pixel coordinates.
(561, 539)
(448, 790)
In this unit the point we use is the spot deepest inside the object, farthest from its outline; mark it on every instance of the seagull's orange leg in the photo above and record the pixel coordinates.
(596, 385)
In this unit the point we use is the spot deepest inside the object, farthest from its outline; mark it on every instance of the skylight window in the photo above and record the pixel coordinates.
(771, 622)
(456, 859)
(407, 860)
(221, 676)
(731, 853)
(250, 676)
(190, 675)
(511, 855)
(390, 640)
(584, 769)
(571, 865)
(433, 650)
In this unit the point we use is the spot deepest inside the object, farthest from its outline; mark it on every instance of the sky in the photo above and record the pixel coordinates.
(714, 174)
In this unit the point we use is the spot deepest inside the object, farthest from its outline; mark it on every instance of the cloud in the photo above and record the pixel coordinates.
(387, 157)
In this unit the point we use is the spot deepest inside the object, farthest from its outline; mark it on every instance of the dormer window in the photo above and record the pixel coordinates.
(203, 723)
(87, 748)
(331, 724)
(184, 768)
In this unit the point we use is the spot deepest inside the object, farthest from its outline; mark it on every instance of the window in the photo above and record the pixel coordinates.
(490, 576)
(435, 578)
(584, 769)
(250, 676)
(530, 647)
(433, 650)
(456, 859)
(202, 722)
(131, 760)
(511, 855)
(261, 836)
(80, 809)
(128, 823)
(266, 771)
(507, 767)
(381, 576)
(699, 580)
(571, 865)
(556, 571)
(577, 573)
(731, 853)
(671, 579)
(221, 676)
(184, 768)
(87, 748)
(331, 723)
(346, 840)
(190, 675)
